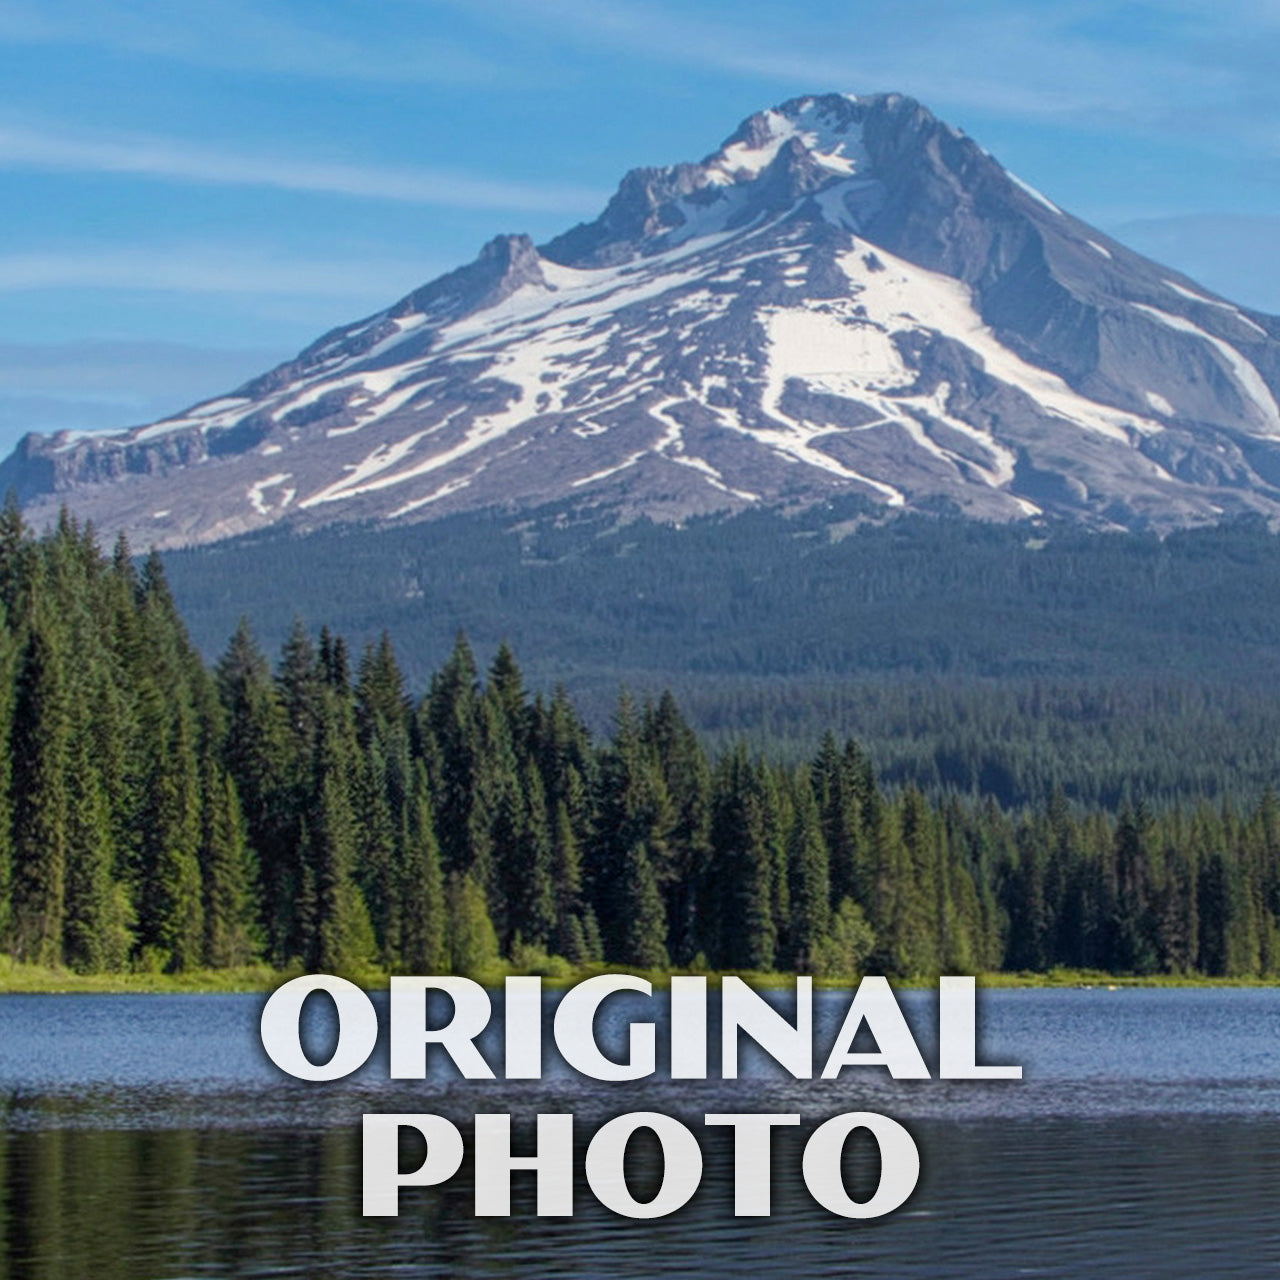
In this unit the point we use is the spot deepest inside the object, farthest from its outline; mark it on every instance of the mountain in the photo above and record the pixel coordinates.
(848, 296)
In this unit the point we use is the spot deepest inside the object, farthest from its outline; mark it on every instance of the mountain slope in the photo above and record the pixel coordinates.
(849, 295)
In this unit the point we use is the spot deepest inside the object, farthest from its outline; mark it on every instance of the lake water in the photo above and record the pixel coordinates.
(148, 1137)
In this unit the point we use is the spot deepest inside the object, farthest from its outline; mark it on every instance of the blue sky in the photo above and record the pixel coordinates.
(190, 191)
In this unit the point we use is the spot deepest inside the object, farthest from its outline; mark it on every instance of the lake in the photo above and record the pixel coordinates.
(149, 1138)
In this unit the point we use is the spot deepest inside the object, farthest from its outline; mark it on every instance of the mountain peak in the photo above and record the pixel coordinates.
(846, 295)
(503, 265)
(828, 128)
(772, 159)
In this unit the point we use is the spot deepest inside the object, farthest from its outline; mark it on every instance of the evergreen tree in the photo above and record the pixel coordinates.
(522, 845)
(154, 814)
(381, 705)
(39, 738)
(744, 865)
(506, 688)
(450, 718)
(14, 541)
(644, 924)
(424, 941)
(1135, 949)
(473, 941)
(96, 930)
(569, 935)
(810, 879)
(228, 874)
(256, 754)
(171, 913)
(843, 952)
(376, 855)
(341, 939)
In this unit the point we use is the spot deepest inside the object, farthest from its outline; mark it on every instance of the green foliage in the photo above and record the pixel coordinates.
(843, 951)
(529, 959)
(39, 737)
(473, 941)
(970, 657)
(159, 816)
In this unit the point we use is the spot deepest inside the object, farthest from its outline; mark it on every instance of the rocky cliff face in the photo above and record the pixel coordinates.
(847, 295)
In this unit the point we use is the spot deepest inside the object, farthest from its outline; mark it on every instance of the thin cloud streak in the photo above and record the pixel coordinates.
(167, 160)
(197, 270)
(233, 36)
(114, 370)
(93, 386)
(992, 58)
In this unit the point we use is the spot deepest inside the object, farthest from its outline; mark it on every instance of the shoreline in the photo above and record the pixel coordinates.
(21, 979)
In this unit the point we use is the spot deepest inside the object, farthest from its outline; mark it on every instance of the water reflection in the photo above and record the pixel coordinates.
(1152, 1198)
(149, 1140)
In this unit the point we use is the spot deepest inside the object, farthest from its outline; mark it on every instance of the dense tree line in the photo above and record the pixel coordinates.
(1100, 743)
(1007, 660)
(157, 813)
(826, 593)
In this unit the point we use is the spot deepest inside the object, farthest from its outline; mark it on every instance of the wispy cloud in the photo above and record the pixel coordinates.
(261, 36)
(170, 160)
(992, 56)
(92, 385)
(202, 270)
(112, 369)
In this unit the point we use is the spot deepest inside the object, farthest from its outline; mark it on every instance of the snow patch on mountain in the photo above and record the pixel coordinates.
(1246, 374)
(257, 492)
(902, 297)
(847, 294)
(1038, 196)
(833, 142)
(1228, 307)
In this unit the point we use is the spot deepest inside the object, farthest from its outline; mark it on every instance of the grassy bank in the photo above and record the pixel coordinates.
(16, 977)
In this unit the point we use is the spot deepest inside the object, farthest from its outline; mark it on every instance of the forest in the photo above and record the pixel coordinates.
(1012, 661)
(157, 813)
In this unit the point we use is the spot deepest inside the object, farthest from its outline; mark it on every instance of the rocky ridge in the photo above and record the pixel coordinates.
(848, 295)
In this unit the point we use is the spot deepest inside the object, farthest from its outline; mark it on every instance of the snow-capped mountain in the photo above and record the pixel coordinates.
(849, 295)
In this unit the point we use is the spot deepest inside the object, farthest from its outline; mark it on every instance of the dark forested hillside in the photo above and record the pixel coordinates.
(1005, 659)
(156, 813)
(816, 594)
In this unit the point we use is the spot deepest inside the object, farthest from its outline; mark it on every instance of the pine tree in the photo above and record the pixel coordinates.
(381, 705)
(843, 952)
(473, 941)
(342, 939)
(569, 936)
(171, 916)
(9, 656)
(632, 833)
(743, 865)
(14, 539)
(256, 754)
(451, 720)
(644, 924)
(506, 687)
(686, 776)
(39, 803)
(301, 685)
(424, 942)
(839, 784)
(375, 862)
(522, 846)
(1135, 950)
(228, 874)
(96, 929)
(809, 876)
